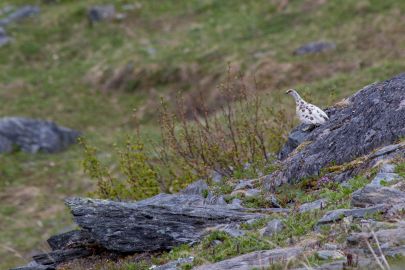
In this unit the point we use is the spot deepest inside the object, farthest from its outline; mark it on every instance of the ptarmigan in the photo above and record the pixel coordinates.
(307, 113)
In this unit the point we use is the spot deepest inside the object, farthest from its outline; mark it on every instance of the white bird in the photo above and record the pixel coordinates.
(307, 113)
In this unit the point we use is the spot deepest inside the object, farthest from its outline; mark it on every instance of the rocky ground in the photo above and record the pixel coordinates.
(334, 203)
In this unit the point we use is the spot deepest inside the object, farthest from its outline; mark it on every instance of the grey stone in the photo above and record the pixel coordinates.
(157, 223)
(272, 200)
(216, 177)
(336, 215)
(174, 265)
(75, 238)
(34, 136)
(196, 188)
(244, 184)
(387, 168)
(231, 229)
(386, 150)
(4, 39)
(252, 192)
(237, 202)
(35, 266)
(59, 256)
(255, 260)
(372, 195)
(19, 14)
(383, 176)
(318, 204)
(101, 13)
(330, 254)
(273, 227)
(346, 136)
(330, 246)
(295, 138)
(315, 47)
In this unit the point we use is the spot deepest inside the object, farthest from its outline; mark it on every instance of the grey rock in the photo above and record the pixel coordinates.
(372, 195)
(244, 184)
(346, 136)
(315, 47)
(255, 260)
(254, 192)
(330, 255)
(35, 266)
(75, 238)
(387, 168)
(196, 188)
(272, 200)
(383, 176)
(101, 13)
(174, 265)
(4, 39)
(330, 246)
(386, 237)
(237, 202)
(231, 229)
(157, 223)
(318, 204)
(34, 136)
(56, 257)
(386, 150)
(215, 199)
(295, 138)
(19, 14)
(216, 177)
(273, 227)
(336, 215)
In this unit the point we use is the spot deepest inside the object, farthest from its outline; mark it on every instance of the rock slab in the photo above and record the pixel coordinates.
(158, 223)
(33, 136)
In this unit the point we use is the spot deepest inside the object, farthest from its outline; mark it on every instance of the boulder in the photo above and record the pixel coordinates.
(19, 14)
(273, 226)
(315, 47)
(373, 195)
(158, 223)
(33, 136)
(255, 260)
(359, 126)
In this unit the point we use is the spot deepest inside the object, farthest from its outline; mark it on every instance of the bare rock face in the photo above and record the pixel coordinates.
(158, 223)
(368, 120)
(315, 47)
(19, 14)
(33, 136)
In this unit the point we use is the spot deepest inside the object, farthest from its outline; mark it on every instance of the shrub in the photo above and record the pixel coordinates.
(239, 137)
(140, 178)
(236, 141)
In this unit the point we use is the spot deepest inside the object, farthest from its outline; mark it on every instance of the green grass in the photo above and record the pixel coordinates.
(51, 71)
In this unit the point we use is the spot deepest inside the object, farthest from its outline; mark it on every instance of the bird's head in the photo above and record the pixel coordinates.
(291, 92)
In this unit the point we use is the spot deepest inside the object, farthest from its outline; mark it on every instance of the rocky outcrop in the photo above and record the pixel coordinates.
(158, 223)
(33, 136)
(370, 119)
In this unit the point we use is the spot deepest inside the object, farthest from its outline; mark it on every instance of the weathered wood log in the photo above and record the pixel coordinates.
(158, 223)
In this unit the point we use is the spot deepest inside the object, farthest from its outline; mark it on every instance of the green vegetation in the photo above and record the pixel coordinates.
(62, 69)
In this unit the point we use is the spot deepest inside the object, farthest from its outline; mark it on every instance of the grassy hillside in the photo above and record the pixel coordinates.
(61, 68)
